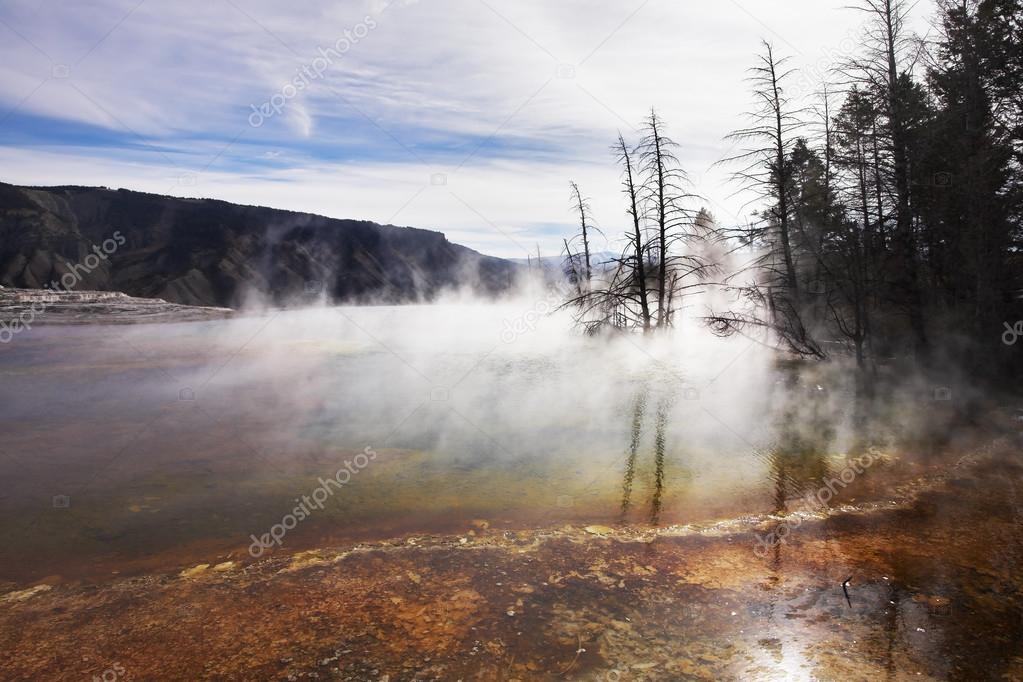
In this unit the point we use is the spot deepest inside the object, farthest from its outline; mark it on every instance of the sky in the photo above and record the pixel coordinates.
(469, 117)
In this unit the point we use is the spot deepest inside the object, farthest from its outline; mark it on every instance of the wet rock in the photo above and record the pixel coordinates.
(194, 571)
(22, 595)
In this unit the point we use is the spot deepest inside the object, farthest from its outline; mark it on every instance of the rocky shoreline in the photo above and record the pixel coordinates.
(911, 590)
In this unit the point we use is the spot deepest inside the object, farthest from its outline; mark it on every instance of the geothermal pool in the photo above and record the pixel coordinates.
(161, 437)
(483, 491)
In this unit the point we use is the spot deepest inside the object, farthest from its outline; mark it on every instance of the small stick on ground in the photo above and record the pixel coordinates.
(579, 649)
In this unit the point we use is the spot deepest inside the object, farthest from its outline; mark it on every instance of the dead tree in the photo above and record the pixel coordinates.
(571, 269)
(582, 206)
(620, 294)
(665, 193)
(637, 245)
(773, 296)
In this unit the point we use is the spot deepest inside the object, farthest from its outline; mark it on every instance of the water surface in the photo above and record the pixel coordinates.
(529, 504)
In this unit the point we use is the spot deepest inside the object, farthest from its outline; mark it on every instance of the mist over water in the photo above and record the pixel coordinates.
(164, 436)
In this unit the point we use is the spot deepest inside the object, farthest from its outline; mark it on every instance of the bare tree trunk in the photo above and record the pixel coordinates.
(868, 237)
(581, 207)
(780, 178)
(637, 236)
(889, 12)
(878, 186)
(662, 220)
(829, 149)
(575, 271)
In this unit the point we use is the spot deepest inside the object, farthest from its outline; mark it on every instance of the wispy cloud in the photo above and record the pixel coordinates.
(512, 100)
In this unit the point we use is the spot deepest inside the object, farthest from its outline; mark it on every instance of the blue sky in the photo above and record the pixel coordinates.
(465, 116)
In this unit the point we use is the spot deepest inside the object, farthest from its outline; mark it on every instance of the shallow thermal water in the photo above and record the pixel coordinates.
(499, 467)
(167, 435)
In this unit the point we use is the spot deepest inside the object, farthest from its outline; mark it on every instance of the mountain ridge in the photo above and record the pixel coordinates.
(210, 252)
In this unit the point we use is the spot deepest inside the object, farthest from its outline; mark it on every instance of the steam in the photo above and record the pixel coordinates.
(477, 408)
